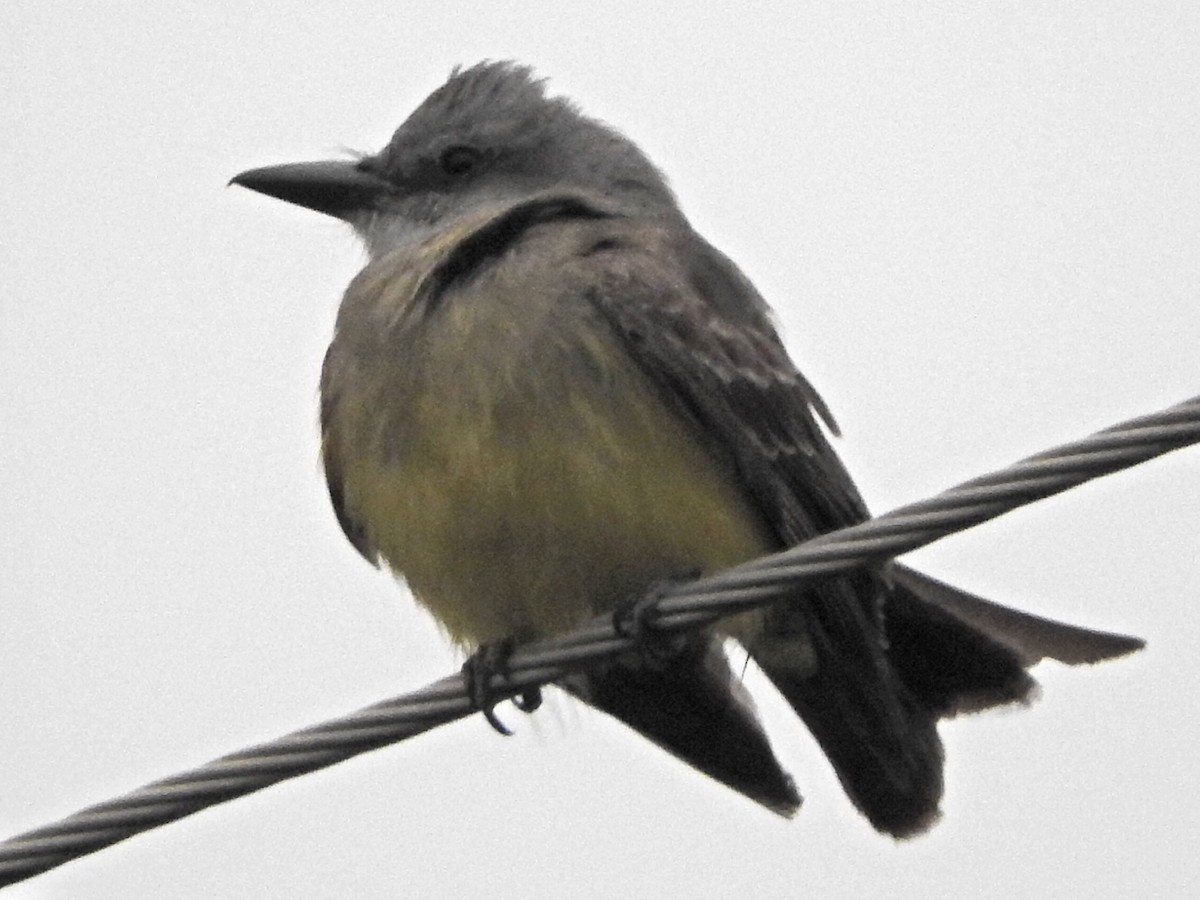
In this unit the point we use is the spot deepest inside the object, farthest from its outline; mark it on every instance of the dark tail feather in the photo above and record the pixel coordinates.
(1032, 638)
(873, 708)
(949, 665)
(946, 652)
(882, 743)
(698, 710)
(876, 718)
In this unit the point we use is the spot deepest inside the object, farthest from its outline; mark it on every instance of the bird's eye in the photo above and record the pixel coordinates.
(459, 160)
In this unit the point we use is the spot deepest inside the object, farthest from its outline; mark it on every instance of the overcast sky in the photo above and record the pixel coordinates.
(981, 231)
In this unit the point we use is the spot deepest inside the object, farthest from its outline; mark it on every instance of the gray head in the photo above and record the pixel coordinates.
(490, 134)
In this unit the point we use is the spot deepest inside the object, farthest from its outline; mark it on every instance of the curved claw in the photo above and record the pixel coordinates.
(489, 713)
(487, 661)
(477, 672)
(529, 701)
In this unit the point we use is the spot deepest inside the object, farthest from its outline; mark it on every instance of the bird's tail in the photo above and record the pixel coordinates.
(696, 708)
(1032, 638)
(872, 703)
(881, 740)
(945, 652)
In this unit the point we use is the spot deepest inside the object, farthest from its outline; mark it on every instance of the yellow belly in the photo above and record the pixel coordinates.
(521, 493)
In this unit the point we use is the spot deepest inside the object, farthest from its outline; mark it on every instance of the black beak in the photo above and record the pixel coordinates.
(334, 187)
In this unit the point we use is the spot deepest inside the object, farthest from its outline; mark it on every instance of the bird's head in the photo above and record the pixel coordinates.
(489, 136)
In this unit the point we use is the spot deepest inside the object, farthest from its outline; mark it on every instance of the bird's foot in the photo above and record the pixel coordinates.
(478, 671)
(635, 618)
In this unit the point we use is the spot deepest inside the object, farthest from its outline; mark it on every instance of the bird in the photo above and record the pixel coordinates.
(547, 396)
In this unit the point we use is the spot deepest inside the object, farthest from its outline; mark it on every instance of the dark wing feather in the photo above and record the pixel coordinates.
(698, 328)
(700, 331)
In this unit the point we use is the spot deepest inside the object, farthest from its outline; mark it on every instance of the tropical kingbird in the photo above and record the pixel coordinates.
(546, 394)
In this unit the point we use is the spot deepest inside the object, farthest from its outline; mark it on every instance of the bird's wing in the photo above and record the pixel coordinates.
(698, 328)
(700, 332)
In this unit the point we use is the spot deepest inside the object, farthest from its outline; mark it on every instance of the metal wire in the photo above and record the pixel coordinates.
(685, 606)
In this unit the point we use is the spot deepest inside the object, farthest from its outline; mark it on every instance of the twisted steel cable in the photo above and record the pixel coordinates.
(681, 607)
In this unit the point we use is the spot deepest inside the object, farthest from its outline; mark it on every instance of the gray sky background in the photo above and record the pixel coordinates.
(981, 230)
